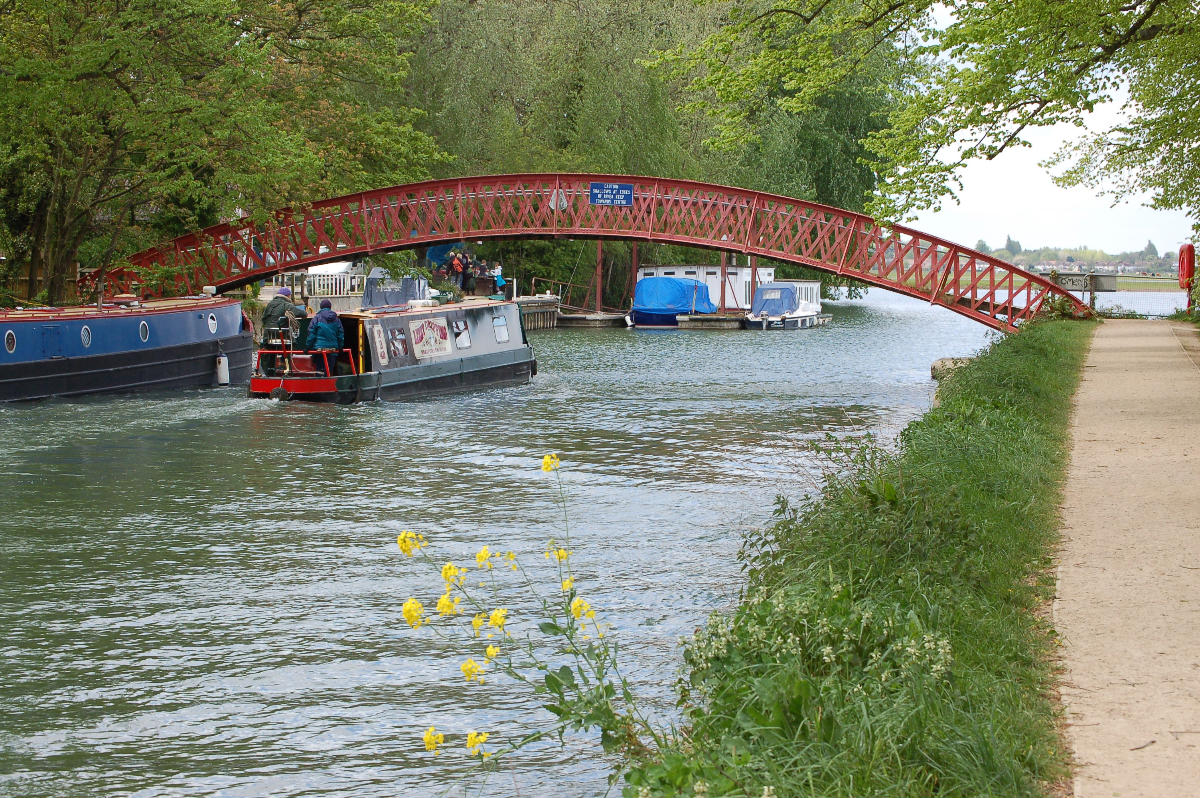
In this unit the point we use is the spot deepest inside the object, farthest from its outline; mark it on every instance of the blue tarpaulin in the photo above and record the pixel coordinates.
(672, 295)
(774, 299)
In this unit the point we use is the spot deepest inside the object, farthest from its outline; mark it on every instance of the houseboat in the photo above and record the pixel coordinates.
(658, 301)
(786, 305)
(419, 348)
(123, 345)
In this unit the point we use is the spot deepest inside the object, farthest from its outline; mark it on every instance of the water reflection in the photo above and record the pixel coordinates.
(202, 592)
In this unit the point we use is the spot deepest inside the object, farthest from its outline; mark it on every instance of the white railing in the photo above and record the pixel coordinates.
(325, 284)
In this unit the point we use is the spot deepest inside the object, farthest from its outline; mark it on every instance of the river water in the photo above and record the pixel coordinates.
(201, 593)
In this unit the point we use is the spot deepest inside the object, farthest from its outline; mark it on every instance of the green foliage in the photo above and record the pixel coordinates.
(973, 77)
(125, 122)
(887, 643)
(1012, 246)
(530, 86)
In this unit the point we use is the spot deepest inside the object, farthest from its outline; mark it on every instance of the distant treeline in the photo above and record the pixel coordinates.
(1146, 259)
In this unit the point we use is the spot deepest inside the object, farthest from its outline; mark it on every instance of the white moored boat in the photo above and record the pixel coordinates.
(786, 305)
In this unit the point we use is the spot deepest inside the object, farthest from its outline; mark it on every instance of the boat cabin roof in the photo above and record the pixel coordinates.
(119, 306)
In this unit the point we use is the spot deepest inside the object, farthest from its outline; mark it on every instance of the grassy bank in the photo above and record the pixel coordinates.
(888, 642)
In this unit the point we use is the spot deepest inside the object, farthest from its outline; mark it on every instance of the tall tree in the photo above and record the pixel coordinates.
(977, 76)
(124, 120)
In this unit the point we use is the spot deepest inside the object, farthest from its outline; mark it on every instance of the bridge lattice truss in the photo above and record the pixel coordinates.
(897, 258)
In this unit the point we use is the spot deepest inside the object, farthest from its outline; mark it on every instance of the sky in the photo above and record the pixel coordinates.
(1013, 196)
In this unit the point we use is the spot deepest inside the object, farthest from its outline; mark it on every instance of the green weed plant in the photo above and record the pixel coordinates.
(888, 641)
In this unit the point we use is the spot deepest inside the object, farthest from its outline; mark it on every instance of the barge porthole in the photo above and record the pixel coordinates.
(212, 322)
(10, 341)
(144, 331)
(85, 336)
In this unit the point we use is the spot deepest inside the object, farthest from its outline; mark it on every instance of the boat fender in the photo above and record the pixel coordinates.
(222, 368)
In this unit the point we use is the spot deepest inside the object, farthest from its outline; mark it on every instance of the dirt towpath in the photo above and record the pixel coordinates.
(1128, 601)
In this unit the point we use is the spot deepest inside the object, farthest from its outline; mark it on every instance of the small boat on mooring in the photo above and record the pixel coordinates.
(786, 305)
(402, 351)
(123, 345)
(659, 301)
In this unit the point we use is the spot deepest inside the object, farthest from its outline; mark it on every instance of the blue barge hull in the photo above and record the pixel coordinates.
(163, 344)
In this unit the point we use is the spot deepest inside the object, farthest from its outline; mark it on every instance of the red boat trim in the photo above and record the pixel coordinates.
(294, 384)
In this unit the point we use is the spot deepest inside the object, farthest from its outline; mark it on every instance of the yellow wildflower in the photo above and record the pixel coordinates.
(483, 558)
(446, 606)
(512, 559)
(474, 740)
(579, 607)
(549, 463)
(567, 584)
(472, 670)
(561, 554)
(409, 542)
(433, 739)
(413, 611)
(452, 574)
(498, 618)
(477, 622)
(491, 653)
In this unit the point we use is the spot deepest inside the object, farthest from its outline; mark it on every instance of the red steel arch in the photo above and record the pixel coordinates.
(895, 257)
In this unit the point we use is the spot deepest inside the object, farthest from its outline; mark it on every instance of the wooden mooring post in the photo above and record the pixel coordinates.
(538, 312)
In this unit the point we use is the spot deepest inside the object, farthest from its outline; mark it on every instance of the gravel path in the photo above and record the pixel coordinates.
(1128, 602)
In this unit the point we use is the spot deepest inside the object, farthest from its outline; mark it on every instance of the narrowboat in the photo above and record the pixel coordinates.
(420, 348)
(786, 305)
(123, 345)
(658, 301)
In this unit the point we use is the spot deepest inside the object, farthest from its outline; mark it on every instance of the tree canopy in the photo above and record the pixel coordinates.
(123, 122)
(975, 76)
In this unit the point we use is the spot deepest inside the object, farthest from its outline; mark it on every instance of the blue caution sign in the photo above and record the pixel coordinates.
(611, 194)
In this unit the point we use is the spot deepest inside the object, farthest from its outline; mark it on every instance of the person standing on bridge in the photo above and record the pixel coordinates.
(325, 338)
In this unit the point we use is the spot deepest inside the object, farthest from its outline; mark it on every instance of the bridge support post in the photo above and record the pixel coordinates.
(724, 278)
(599, 272)
(633, 270)
(753, 280)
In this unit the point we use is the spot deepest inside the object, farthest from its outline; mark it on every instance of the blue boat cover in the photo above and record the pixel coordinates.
(672, 295)
(774, 299)
(382, 291)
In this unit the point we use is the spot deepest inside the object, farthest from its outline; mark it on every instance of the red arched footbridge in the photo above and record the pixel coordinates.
(655, 210)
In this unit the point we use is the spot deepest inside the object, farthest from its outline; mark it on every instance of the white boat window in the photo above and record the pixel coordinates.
(690, 271)
(712, 274)
(500, 326)
(10, 341)
(668, 274)
(85, 336)
(144, 332)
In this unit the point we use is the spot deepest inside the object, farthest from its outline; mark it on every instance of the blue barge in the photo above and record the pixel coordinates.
(125, 345)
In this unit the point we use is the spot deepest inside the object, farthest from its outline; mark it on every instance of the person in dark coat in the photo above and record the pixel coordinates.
(325, 333)
(275, 315)
(276, 326)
